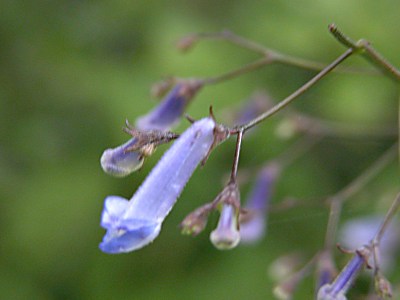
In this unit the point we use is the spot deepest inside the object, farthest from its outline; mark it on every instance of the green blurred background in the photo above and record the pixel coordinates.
(72, 71)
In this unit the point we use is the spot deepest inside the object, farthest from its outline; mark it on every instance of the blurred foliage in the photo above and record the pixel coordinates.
(72, 71)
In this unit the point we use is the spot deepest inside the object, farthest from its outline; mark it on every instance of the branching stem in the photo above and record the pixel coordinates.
(336, 201)
(296, 94)
(367, 51)
(273, 56)
(236, 158)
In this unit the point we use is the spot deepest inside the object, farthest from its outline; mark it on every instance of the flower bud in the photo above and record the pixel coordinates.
(383, 287)
(196, 221)
(226, 236)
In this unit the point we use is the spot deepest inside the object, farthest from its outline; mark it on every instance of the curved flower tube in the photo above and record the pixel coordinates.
(120, 163)
(253, 228)
(168, 113)
(133, 224)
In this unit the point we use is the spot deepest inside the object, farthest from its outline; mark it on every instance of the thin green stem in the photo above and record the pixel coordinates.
(234, 39)
(297, 93)
(335, 210)
(237, 72)
(382, 285)
(388, 218)
(236, 158)
(336, 201)
(273, 55)
(288, 286)
(364, 48)
(320, 127)
(296, 150)
(357, 184)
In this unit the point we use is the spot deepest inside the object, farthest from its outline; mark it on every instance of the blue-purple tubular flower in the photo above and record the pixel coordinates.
(135, 223)
(358, 232)
(338, 289)
(226, 235)
(118, 162)
(170, 110)
(253, 228)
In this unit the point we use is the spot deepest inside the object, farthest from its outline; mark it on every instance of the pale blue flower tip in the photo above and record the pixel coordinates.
(324, 294)
(118, 163)
(226, 236)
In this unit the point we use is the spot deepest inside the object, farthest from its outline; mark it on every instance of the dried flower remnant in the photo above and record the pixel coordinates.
(168, 113)
(287, 287)
(147, 141)
(159, 89)
(338, 288)
(285, 265)
(226, 235)
(196, 221)
(186, 43)
(135, 223)
(383, 287)
(253, 223)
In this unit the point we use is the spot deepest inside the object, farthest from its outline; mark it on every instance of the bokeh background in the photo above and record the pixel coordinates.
(72, 71)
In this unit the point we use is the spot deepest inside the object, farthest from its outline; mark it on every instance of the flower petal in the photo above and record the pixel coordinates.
(114, 207)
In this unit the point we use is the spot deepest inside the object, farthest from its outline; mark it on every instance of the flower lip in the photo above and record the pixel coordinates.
(122, 239)
(125, 234)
